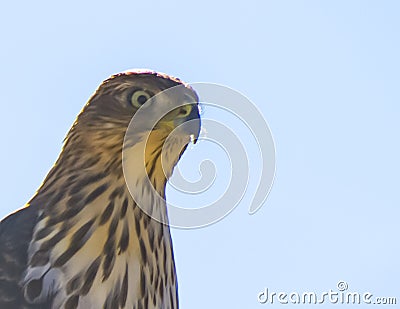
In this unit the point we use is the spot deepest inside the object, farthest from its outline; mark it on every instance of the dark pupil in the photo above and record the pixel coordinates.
(141, 99)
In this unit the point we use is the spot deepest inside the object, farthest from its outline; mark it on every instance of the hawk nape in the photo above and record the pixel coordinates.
(82, 241)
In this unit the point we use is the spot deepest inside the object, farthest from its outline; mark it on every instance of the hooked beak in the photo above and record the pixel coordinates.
(185, 119)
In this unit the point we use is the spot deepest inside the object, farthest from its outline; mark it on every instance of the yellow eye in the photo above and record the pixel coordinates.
(184, 110)
(139, 97)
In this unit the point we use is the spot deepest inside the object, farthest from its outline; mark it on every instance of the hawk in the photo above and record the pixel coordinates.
(83, 240)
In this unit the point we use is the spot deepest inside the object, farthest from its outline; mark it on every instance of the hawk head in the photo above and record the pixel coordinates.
(147, 116)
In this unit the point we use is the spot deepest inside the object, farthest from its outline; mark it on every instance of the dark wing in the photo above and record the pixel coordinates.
(16, 232)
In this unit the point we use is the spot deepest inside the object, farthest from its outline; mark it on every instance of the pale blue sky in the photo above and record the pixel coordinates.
(325, 74)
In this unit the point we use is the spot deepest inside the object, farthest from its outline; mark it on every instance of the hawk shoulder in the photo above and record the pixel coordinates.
(16, 232)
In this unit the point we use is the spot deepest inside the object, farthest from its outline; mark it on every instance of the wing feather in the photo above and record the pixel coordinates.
(16, 232)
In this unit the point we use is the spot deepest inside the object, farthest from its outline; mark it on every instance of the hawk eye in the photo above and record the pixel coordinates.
(139, 97)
